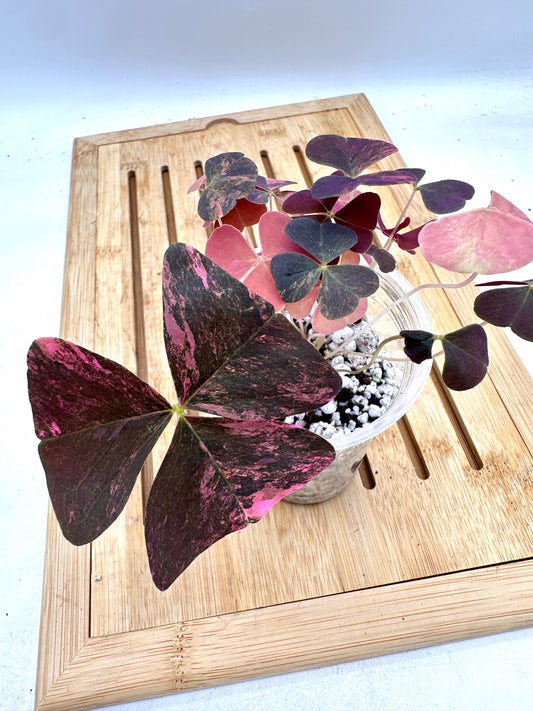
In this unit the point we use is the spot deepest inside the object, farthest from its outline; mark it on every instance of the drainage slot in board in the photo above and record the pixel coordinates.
(169, 205)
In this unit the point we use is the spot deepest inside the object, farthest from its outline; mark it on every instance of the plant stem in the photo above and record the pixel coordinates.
(392, 235)
(407, 296)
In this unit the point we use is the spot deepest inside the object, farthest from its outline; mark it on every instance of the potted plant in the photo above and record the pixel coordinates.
(234, 354)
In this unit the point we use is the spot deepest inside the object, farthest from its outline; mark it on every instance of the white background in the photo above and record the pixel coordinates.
(452, 82)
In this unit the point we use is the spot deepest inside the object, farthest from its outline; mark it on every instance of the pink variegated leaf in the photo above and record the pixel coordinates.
(489, 240)
(219, 476)
(97, 423)
(229, 353)
(228, 177)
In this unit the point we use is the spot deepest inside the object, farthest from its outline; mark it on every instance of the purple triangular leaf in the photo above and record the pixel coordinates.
(208, 314)
(511, 306)
(361, 215)
(275, 374)
(351, 155)
(465, 357)
(97, 422)
(322, 240)
(228, 177)
(445, 196)
(90, 474)
(71, 389)
(302, 202)
(217, 477)
(341, 287)
(294, 275)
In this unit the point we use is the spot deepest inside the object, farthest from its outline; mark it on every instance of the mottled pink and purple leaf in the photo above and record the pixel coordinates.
(225, 474)
(97, 422)
(228, 177)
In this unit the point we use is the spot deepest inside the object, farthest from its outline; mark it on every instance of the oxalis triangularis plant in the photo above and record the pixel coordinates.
(238, 348)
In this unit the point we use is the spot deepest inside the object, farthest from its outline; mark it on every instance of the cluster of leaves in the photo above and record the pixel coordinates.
(318, 253)
(230, 355)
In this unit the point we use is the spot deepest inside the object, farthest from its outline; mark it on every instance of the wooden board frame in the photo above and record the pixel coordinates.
(85, 662)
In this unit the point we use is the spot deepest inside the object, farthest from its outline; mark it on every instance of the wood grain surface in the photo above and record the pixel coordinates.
(439, 550)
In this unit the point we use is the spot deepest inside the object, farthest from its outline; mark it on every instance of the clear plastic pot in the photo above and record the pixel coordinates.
(351, 448)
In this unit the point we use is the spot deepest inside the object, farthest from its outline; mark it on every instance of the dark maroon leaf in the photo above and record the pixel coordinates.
(361, 215)
(90, 473)
(446, 195)
(208, 314)
(465, 357)
(244, 214)
(465, 354)
(274, 374)
(294, 275)
(351, 155)
(384, 259)
(97, 422)
(228, 177)
(341, 287)
(408, 241)
(324, 241)
(512, 306)
(418, 344)
(218, 476)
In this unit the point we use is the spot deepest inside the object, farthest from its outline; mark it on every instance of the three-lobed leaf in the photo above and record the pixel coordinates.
(465, 354)
(97, 422)
(228, 177)
(351, 155)
(228, 353)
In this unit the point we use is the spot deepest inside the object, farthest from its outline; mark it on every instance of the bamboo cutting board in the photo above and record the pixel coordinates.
(432, 543)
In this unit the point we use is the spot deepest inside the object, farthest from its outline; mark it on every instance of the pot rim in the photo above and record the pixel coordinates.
(416, 375)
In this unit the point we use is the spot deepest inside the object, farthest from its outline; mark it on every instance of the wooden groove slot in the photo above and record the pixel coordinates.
(413, 448)
(467, 443)
(199, 171)
(147, 474)
(169, 205)
(267, 165)
(365, 473)
(303, 165)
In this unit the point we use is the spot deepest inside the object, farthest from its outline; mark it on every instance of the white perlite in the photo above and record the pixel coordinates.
(364, 397)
